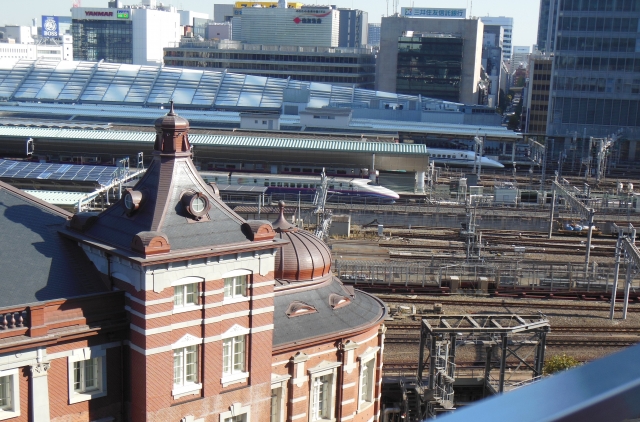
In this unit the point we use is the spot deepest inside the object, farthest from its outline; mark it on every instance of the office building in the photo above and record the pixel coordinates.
(520, 56)
(222, 12)
(596, 71)
(536, 102)
(432, 57)
(18, 34)
(492, 63)
(187, 17)
(340, 66)
(131, 34)
(373, 36)
(546, 25)
(354, 28)
(308, 26)
(507, 24)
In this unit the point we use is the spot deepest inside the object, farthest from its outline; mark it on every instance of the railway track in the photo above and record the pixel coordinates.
(502, 304)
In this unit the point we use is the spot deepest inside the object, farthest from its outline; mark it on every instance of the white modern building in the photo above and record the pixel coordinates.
(308, 26)
(129, 34)
(507, 24)
(520, 56)
(60, 49)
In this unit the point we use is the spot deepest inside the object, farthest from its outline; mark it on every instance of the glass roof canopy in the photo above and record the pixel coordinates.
(114, 83)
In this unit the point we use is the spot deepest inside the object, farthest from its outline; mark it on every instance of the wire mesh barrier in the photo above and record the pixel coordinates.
(439, 272)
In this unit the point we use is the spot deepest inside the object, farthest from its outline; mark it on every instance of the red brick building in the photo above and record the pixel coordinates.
(170, 307)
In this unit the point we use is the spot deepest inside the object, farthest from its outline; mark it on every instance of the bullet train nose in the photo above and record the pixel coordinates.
(489, 163)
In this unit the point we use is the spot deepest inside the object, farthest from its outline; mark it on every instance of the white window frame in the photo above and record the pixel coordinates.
(186, 388)
(183, 282)
(369, 360)
(232, 375)
(236, 409)
(279, 382)
(80, 355)
(15, 394)
(234, 298)
(324, 369)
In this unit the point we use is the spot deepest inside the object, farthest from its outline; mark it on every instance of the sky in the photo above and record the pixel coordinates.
(523, 12)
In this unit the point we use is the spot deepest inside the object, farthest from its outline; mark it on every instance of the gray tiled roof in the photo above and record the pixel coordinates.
(162, 211)
(37, 263)
(364, 310)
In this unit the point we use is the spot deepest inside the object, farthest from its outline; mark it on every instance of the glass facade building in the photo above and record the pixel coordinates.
(430, 66)
(596, 78)
(108, 40)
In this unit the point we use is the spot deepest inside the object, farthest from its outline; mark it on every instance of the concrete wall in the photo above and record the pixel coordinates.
(470, 30)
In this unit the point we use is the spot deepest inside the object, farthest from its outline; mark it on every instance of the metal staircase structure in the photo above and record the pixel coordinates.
(503, 335)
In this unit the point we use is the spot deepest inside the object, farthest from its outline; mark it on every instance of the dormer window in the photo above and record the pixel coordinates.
(131, 201)
(298, 308)
(338, 301)
(196, 204)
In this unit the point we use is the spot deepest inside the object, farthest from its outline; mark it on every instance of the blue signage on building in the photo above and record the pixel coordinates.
(50, 27)
(433, 13)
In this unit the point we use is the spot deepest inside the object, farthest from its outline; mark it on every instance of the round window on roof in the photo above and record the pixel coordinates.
(196, 204)
(131, 201)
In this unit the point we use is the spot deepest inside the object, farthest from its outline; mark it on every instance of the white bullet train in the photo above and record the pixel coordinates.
(289, 183)
(460, 158)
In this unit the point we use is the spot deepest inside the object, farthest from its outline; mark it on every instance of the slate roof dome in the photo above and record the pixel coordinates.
(304, 258)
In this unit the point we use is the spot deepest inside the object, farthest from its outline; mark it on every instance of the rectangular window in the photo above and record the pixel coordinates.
(85, 375)
(233, 355)
(185, 295)
(367, 371)
(276, 398)
(9, 394)
(239, 418)
(321, 398)
(6, 393)
(185, 366)
(235, 287)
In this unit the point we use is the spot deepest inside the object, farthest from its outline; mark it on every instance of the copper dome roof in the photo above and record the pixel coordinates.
(304, 258)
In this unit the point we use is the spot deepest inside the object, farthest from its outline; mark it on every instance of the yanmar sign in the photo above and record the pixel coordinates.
(98, 13)
(106, 14)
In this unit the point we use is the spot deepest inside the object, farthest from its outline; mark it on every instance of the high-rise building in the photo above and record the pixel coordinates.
(537, 94)
(492, 62)
(354, 28)
(546, 25)
(373, 37)
(130, 34)
(596, 70)
(432, 57)
(520, 56)
(507, 24)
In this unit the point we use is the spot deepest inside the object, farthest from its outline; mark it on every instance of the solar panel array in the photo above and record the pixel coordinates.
(114, 83)
(102, 175)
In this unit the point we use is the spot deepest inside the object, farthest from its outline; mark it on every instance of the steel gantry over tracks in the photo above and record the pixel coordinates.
(442, 335)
